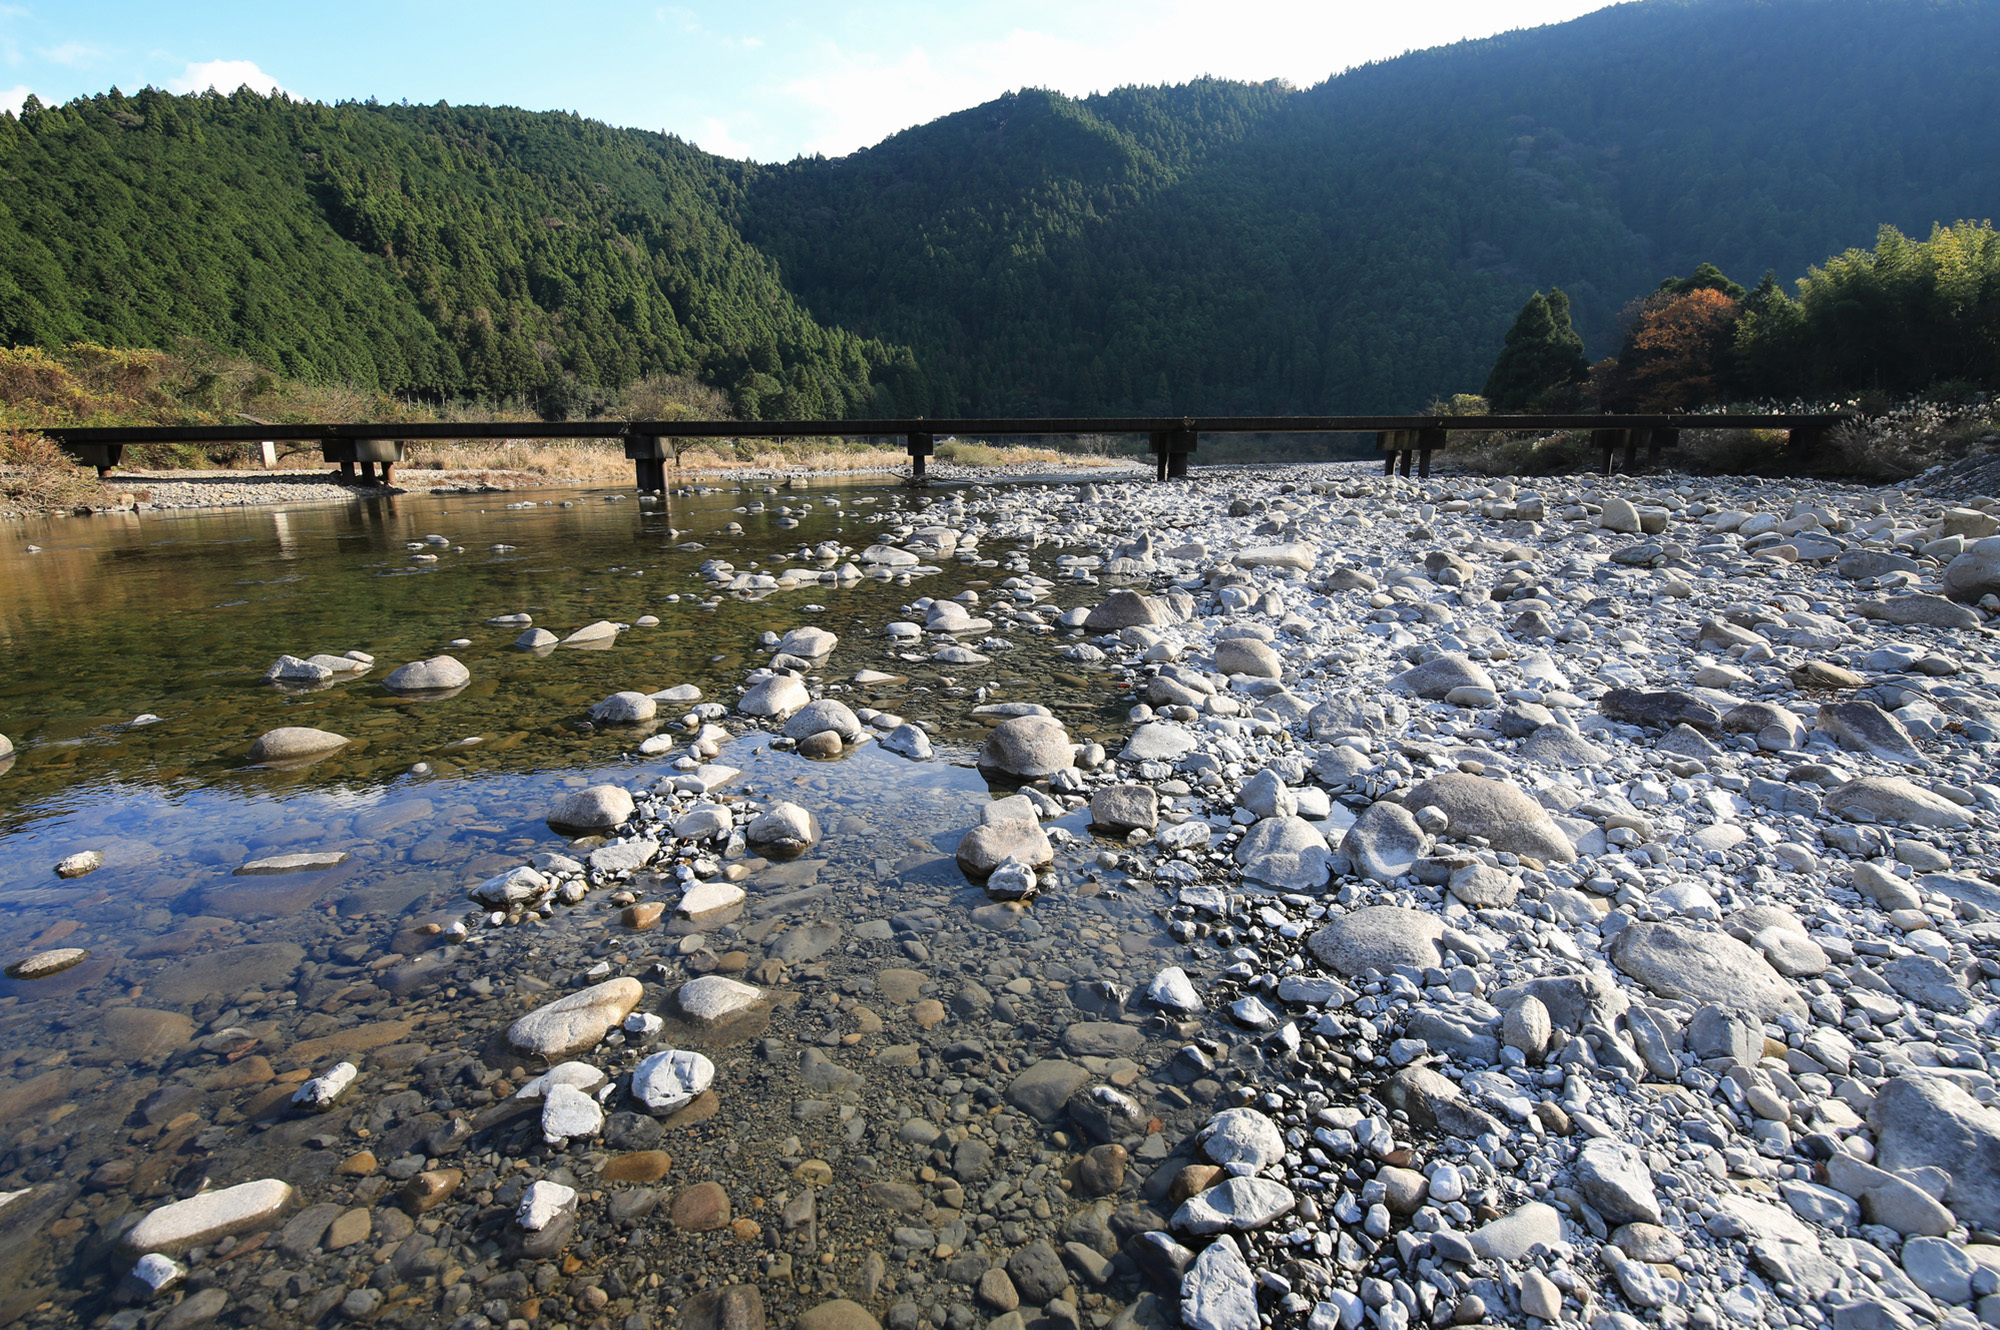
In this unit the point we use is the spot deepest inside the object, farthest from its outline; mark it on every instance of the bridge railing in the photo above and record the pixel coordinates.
(650, 444)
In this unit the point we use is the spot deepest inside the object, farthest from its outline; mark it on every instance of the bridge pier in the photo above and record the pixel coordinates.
(920, 447)
(364, 453)
(1655, 441)
(1171, 448)
(1608, 442)
(648, 455)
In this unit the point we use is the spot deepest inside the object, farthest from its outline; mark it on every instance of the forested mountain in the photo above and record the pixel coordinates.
(1365, 244)
(1215, 247)
(428, 250)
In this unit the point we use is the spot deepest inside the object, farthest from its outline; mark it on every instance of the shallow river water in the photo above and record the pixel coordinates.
(132, 654)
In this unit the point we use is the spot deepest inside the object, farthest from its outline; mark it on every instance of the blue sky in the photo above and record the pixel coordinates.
(767, 79)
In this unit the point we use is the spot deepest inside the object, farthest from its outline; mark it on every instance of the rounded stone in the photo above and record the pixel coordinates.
(46, 964)
(667, 1081)
(575, 1023)
(598, 808)
(627, 708)
(1028, 747)
(428, 676)
(1379, 938)
(289, 742)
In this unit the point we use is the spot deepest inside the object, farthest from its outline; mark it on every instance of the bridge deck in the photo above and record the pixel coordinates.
(650, 443)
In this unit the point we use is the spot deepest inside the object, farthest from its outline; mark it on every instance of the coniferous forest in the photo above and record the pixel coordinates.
(1362, 245)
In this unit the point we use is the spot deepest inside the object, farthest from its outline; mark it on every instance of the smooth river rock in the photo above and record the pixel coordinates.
(210, 1217)
(574, 1024)
(428, 676)
(291, 742)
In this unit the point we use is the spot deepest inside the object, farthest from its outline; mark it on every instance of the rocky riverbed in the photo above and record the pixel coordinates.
(1378, 903)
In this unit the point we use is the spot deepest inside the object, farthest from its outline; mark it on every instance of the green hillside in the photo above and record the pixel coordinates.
(438, 251)
(1213, 247)
(1365, 244)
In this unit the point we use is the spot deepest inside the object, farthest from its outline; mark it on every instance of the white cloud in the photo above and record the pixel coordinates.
(861, 91)
(225, 76)
(11, 99)
(714, 136)
(76, 55)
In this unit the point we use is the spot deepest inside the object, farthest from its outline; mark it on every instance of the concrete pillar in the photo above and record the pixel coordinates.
(1430, 439)
(920, 447)
(267, 452)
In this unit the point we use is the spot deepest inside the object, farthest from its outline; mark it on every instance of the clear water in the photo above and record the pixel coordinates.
(163, 1060)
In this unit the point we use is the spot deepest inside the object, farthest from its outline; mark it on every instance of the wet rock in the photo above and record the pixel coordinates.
(1102, 1039)
(1101, 1171)
(1504, 816)
(783, 829)
(598, 808)
(713, 997)
(625, 709)
(1677, 962)
(700, 1208)
(78, 864)
(822, 717)
(48, 964)
(320, 1093)
(515, 887)
(1379, 938)
(808, 643)
(1028, 747)
(1043, 1088)
(575, 1023)
(986, 847)
(291, 742)
(909, 741)
(428, 676)
(544, 1204)
(1172, 989)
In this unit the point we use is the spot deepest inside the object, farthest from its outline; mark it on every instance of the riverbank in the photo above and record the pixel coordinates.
(1287, 896)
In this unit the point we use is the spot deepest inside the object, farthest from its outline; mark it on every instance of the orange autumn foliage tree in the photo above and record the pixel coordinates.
(1676, 357)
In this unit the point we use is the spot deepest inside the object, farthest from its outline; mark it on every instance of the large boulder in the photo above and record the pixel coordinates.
(986, 847)
(1379, 938)
(784, 829)
(1124, 808)
(1863, 727)
(823, 716)
(1689, 966)
(627, 708)
(1504, 815)
(1127, 609)
(1385, 842)
(1663, 709)
(598, 808)
(428, 676)
(808, 643)
(1246, 655)
(1893, 799)
(287, 743)
(1285, 852)
(1927, 1122)
(1440, 674)
(1975, 572)
(1028, 747)
(777, 697)
(575, 1023)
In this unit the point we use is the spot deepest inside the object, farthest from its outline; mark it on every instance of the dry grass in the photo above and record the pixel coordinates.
(544, 459)
(38, 477)
(962, 453)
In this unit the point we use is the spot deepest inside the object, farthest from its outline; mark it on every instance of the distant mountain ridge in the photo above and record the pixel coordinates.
(1214, 247)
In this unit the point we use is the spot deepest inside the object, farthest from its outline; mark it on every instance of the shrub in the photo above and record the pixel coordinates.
(38, 477)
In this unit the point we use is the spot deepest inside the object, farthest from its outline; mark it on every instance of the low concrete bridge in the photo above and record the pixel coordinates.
(651, 444)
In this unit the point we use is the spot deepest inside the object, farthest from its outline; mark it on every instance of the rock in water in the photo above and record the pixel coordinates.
(987, 846)
(575, 1023)
(783, 829)
(426, 676)
(599, 808)
(713, 998)
(48, 964)
(1504, 815)
(626, 708)
(667, 1081)
(808, 643)
(821, 717)
(777, 697)
(909, 741)
(213, 1215)
(76, 865)
(1123, 808)
(290, 742)
(1028, 747)
(1379, 938)
(1172, 989)
(1680, 963)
